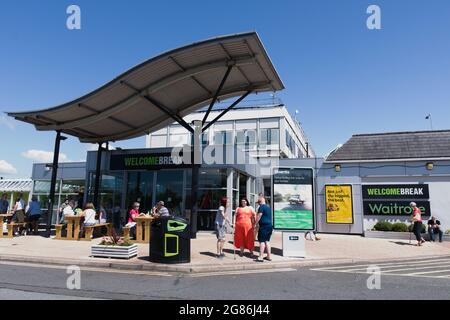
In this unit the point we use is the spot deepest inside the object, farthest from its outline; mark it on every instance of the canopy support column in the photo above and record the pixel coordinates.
(97, 175)
(196, 160)
(53, 182)
(226, 110)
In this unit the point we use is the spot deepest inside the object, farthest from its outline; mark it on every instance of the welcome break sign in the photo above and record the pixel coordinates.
(393, 200)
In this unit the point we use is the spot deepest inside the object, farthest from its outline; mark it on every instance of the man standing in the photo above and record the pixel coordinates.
(434, 226)
(264, 219)
(4, 204)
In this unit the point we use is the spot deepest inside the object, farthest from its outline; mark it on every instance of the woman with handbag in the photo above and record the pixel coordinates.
(220, 224)
(417, 220)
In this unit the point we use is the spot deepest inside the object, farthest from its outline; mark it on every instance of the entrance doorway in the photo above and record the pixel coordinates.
(148, 187)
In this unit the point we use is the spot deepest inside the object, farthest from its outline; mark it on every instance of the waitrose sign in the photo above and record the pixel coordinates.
(393, 200)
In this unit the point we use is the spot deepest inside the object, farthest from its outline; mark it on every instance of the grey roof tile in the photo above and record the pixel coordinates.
(395, 145)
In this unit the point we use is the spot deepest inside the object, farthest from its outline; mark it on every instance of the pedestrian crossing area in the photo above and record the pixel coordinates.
(428, 268)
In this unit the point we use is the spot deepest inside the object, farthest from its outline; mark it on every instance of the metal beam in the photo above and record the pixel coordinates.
(161, 122)
(162, 107)
(148, 90)
(226, 110)
(125, 124)
(213, 101)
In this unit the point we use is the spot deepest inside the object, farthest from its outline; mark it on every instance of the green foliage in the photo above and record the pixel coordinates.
(383, 226)
(399, 227)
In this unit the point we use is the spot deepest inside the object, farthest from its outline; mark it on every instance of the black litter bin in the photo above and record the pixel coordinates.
(170, 240)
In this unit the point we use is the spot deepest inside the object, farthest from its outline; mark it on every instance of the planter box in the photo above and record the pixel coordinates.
(121, 252)
(399, 235)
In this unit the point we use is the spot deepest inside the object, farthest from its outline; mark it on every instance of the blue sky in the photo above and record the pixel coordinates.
(342, 77)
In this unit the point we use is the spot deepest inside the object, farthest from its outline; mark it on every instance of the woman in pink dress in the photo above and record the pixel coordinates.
(244, 235)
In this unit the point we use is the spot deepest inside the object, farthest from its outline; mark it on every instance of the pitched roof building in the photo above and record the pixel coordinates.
(394, 146)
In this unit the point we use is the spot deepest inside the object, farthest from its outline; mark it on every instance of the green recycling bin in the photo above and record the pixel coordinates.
(170, 240)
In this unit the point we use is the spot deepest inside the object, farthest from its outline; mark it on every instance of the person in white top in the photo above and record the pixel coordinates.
(19, 214)
(89, 214)
(19, 210)
(68, 210)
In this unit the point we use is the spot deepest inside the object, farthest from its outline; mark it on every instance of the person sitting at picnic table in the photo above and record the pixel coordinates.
(134, 212)
(19, 213)
(33, 212)
(68, 210)
(160, 210)
(89, 215)
(4, 204)
(434, 226)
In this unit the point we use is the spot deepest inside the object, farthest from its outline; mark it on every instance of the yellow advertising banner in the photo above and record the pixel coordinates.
(339, 204)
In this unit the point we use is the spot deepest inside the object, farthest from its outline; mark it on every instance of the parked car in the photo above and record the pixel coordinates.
(296, 199)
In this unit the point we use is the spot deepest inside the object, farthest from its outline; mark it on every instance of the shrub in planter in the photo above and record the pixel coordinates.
(383, 226)
(399, 227)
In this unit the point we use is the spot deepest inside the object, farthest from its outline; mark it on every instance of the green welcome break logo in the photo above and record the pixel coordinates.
(148, 161)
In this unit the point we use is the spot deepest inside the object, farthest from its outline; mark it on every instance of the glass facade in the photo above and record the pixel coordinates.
(173, 186)
(65, 189)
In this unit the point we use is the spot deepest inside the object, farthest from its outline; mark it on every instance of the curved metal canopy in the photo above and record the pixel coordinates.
(163, 89)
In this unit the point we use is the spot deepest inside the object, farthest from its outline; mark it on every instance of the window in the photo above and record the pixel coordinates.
(223, 137)
(269, 137)
(158, 141)
(246, 138)
(178, 140)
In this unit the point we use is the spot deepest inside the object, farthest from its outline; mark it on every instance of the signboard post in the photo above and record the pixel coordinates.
(339, 204)
(293, 207)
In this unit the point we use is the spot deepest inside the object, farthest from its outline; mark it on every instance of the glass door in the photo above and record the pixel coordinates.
(169, 188)
(140, 189)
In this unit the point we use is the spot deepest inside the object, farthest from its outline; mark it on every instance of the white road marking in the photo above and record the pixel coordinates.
(396, 269)
(428, 272)
(240, 272)
(384, 267)
(385, 264)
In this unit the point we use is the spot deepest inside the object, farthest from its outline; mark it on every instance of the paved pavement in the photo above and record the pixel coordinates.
(331, 249)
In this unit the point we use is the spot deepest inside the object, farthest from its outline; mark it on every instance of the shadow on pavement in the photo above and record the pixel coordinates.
(402, 243)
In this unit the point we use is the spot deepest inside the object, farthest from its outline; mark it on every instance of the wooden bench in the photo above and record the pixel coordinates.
(126, 232)
(89, 230)
(58, 228)
(12, 226)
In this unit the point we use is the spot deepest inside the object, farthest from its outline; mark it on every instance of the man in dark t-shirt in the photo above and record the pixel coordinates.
(4, 204)
(434, 226)
(264, 219)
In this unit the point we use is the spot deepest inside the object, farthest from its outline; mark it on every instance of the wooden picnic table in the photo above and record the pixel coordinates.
(2, 218)
(73, 227)
(143, 228)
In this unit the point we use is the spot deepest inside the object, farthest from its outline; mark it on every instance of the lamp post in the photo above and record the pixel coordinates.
(428, 117)
(54, 166)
